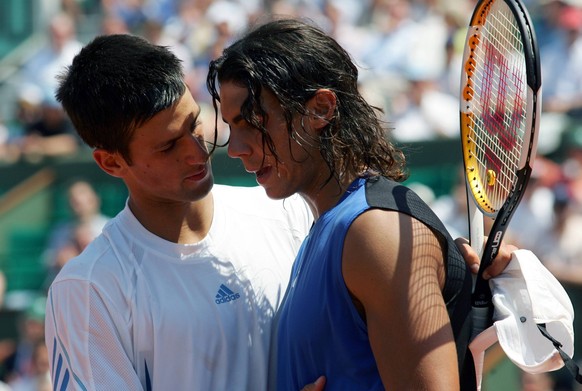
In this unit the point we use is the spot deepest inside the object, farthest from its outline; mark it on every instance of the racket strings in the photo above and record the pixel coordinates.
(498, 104)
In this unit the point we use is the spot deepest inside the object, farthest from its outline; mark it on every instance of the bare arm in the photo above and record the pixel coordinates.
(393, 267)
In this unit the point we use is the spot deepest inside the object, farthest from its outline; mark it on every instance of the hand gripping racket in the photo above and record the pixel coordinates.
(500, 110)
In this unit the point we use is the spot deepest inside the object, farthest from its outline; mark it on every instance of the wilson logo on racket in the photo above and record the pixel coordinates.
(493, 111)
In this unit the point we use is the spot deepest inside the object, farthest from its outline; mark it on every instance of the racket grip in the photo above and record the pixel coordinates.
(476, 227)
(482, 319)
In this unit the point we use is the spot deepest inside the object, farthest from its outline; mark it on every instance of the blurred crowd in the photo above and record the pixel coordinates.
(409, 52)
(23, 355)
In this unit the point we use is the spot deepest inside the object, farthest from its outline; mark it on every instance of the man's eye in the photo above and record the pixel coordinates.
(168, 147)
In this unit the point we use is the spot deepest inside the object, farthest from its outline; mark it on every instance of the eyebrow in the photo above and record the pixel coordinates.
(193, 117)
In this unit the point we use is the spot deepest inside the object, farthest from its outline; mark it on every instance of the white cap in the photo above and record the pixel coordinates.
(524, 295)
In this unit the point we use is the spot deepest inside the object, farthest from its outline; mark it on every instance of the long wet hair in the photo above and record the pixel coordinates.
(294, 59)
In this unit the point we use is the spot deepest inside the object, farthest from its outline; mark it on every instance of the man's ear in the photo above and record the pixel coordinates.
(110, 162)
(321, 108)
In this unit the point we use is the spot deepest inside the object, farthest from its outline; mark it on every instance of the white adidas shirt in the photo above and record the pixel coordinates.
(136, 312)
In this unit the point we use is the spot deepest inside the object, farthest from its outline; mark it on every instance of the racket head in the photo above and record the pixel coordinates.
(500, 102)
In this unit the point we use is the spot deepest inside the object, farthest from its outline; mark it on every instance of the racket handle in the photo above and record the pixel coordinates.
(482, 319)
(481, 293)
(476, 227)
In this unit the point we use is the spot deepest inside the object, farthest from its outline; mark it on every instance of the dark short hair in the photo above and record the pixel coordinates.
(115, 84)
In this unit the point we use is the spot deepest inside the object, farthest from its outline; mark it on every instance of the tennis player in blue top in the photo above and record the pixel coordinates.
(379, 296)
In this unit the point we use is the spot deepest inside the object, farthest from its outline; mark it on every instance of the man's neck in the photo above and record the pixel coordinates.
(183, 223)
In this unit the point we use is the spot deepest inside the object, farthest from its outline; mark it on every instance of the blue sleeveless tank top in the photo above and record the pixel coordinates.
(320, 331)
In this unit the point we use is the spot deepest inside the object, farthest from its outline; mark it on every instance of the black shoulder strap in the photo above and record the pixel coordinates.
(568, 362)
(386, 194)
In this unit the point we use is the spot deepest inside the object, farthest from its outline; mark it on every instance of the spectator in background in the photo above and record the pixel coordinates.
(561, 64)
(153, 31)
(22, 364)
(46, 64)
(45, 131)
(533, 218)
(52, 135)
(546, 15)
(190, 27)
(344, 17)
(406, 60)
(559, 246)
(27, 111)
(229, 20)
(73, 8)
(131, 12)
(28, 106)
(70, 237)
(561, 61)
(112, 24)
(423, 111)
(39, 377)
(390, 50)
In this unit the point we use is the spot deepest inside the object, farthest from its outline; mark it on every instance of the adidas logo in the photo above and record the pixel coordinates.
(225, 295)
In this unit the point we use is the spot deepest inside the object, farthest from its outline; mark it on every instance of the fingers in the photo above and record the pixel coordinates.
(473, 261)
(470, 256)
(317, 386)
(500, 261)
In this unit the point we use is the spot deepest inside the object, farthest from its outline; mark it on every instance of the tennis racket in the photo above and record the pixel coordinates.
(500, 112)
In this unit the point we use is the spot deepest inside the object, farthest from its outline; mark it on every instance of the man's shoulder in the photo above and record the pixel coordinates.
(223, 190)
(253, 202)
(95, 263)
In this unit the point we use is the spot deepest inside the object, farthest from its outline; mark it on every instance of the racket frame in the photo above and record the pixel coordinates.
(478, 203)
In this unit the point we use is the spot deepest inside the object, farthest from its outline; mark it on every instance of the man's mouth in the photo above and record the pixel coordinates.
(263, 174)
